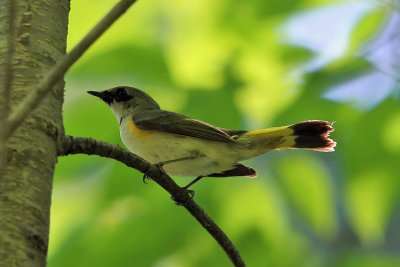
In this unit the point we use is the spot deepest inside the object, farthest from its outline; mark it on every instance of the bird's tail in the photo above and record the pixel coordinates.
(311, 134)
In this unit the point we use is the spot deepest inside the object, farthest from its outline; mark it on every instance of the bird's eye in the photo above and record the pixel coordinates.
(121, 92)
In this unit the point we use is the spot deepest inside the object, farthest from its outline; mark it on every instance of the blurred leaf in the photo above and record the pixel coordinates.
(146, 65)
(367, 27)
(308, 188)
(293, 56)
(371, 195)
(390, 134)
(343, 70)
(369, 259)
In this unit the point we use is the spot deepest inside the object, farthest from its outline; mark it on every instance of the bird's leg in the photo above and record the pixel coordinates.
(162, 163)
(190, 192)
(193, 155)
(192, 182)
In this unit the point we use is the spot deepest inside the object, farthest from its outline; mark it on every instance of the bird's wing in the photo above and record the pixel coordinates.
(170, 122)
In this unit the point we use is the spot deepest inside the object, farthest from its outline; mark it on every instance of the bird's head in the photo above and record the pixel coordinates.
(125, 100)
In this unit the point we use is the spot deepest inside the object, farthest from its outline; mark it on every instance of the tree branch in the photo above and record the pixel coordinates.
(57, 73)
(81, 145)
(8, 77)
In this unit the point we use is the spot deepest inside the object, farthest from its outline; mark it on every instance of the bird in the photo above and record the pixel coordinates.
(188, 147)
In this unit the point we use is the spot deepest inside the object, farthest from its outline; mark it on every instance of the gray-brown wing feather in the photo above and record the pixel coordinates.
(170, 122)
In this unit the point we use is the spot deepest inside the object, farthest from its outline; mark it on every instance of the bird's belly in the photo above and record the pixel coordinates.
(207, 156)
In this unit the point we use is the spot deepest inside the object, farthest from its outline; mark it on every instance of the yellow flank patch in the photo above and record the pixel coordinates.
(135, 131)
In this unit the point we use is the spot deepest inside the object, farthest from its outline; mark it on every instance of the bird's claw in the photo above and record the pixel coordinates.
(160, 164)
(191, 194)
(145, 177)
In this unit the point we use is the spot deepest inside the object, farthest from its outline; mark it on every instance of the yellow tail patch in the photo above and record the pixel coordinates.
(312, 134)
(272, 132)
(281, 137)
(289, 142)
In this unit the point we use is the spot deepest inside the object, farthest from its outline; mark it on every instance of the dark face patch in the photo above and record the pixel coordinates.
(118, 94)
(130, 97)
(121, 94)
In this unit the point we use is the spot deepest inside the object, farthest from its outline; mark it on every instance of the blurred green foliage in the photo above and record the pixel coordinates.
(236, 64)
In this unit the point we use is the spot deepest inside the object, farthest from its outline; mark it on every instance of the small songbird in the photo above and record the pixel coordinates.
(187, 147)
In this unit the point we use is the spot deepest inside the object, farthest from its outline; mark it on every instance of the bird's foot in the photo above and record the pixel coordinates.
(159, 165)
(191, 194)
(145, 178)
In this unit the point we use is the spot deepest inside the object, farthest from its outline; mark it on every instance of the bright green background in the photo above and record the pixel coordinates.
(231, 63)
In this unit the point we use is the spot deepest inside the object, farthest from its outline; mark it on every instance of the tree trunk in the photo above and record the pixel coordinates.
(26, 184)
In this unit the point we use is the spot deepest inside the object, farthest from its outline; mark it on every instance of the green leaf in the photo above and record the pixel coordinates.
(366, 29)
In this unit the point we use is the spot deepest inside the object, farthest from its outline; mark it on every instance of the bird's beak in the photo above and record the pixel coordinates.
(102, 95)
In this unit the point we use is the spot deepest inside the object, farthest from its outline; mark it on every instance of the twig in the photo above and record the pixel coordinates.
(90, 146)
(8, 77)
(58, 71)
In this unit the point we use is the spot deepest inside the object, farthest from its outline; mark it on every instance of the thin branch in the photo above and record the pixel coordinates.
(58, 71)
(81, 145)
(9, 56)
(8, 77)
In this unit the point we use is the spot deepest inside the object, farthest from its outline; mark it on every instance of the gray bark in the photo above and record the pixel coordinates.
(26, 183)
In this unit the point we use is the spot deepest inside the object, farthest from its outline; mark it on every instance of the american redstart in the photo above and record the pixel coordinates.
(184, 146)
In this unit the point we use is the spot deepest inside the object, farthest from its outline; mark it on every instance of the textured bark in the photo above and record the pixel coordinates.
(26, 184)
